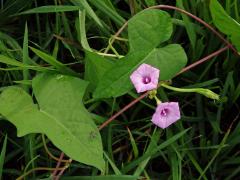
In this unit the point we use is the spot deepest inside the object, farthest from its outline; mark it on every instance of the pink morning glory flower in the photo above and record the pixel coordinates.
(166, 114)
(145, 78)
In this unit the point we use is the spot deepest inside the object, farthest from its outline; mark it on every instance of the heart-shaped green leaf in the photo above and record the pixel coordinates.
(61, 116)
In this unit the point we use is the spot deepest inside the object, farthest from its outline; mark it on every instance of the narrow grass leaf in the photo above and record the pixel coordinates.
(108, 11)
(107, 177)
(25, 55)
(52, 61)
(19, 65)
(50, 9)
(133, 143)
(188, 25)
(216, 153)
(114, 167)
(2, 156)
(83, 4)
(82, 28)
(152, 145)
(165, 144)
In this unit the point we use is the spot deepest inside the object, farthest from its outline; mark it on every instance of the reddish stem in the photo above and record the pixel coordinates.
(122, 110)
(58, 165)
(146, 93)
(203, 60)
(62, 171)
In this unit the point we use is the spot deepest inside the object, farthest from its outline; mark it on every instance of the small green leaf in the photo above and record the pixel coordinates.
(61, 116)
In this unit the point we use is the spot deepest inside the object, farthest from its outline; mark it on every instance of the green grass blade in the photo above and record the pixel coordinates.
(222, 144)
(152, 145)
(83, 35)
(52, 61)
(165, 144)
(25, 55)
(108, 11)
(20, 65)
(133, 143)
(50, 9)
(83, 4)
(108, 177)
(114, 167)
(189, 27)
(2, 156)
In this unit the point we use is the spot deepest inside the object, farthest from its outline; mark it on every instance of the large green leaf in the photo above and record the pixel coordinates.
(147, 30)
(225, 23)
(60, 115)
(116, 81)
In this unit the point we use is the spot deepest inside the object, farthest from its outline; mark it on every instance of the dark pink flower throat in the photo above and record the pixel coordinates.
(146, 80)
(164, 112)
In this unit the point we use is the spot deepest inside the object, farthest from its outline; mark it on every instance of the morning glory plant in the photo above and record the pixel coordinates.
(145, 78)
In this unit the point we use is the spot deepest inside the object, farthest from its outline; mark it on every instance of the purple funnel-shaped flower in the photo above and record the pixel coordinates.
(166, 114)
(145, 78)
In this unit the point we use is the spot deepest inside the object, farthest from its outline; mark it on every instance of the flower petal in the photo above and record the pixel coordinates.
(142, 72)
(173, 114)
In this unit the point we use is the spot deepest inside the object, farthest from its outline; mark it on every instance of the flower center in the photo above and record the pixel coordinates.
(164, 112)
(146, 80)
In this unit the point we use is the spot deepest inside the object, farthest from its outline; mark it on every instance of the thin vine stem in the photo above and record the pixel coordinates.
(49, 153)
(62, 170)
(58, 164)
